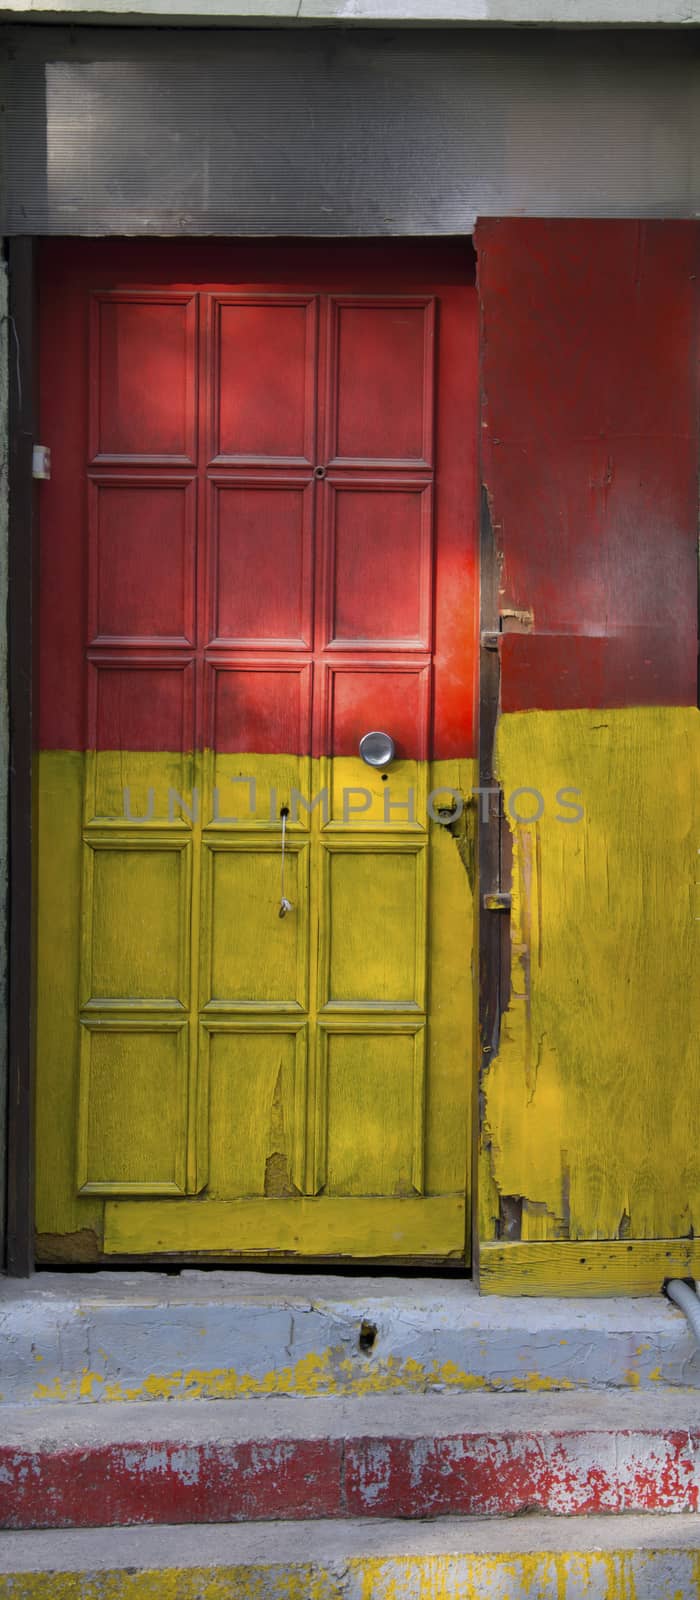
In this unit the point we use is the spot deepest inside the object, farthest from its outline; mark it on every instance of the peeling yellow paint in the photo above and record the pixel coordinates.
(325, 1374)
(620, 1575)
(591, 1113)
(87, 1383)
(632, 1378)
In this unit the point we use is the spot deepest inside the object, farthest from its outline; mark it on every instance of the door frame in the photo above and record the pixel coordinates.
(492, 931)
(22, 330)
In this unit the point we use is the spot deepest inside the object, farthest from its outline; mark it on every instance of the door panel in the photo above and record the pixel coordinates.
(258, 545)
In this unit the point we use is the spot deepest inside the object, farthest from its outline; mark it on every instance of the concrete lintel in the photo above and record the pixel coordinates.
(454, 13)
(228, 1335)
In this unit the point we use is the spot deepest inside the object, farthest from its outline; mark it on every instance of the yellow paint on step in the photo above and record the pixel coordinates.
(591, 1106)
(327, 1373)
(619, 1575)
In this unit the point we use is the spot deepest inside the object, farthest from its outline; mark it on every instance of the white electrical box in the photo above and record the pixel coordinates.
(41, 461)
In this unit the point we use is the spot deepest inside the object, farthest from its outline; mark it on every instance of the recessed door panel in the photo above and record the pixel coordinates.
(374, 1079)
(382, 381)
(143, 377)
(264, 371)
(374, 912)
(379, 549)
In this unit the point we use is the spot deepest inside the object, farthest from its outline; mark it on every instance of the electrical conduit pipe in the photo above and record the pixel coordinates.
(687, 1300)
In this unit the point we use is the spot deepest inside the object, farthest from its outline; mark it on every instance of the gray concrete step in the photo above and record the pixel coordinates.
(133, 1336)
(592, 1558)
(369, 1456)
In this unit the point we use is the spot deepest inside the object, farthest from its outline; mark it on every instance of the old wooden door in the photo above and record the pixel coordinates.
(258, 544)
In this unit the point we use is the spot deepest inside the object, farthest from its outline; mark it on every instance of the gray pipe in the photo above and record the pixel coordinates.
(686, 1298)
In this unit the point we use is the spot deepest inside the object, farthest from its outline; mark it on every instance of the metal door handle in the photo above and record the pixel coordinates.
(377, 749)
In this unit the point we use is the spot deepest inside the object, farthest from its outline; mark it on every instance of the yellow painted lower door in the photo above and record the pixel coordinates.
(217, 1080)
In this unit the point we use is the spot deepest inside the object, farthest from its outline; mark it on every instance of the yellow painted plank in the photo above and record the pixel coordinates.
(592, 1112)
(587, 1267)
(322, 1226)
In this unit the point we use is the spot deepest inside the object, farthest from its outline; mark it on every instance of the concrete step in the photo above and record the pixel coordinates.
(227, 1335)
(397, 1456)
(591, 1558)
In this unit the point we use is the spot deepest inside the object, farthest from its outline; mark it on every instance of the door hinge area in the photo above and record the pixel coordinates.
(498, 901)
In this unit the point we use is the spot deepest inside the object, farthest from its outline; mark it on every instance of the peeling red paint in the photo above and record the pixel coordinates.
(573, 1473)
(112, 1485)
(481, 1476)
(590, 456)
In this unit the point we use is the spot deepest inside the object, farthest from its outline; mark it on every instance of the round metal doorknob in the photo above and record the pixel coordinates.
(377, 749)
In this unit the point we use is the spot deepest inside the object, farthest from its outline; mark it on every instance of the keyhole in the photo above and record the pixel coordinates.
(319, 472)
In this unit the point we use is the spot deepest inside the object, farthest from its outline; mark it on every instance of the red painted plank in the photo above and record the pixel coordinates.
(589, 360)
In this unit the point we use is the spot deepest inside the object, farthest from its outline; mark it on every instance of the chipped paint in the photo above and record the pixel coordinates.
(312, 1375)
(149, 1337)
(624, 1574)
(568, 1072)
(354, 1463)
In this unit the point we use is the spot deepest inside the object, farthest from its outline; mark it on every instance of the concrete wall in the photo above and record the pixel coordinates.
(343, 134)
(470, 13)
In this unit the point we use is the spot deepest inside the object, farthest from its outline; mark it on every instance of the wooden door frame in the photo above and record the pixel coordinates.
(23, 544)
(22, 333)
(494, 852)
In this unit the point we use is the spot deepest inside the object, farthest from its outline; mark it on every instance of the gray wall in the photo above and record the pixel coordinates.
(344, 132)
(411, 13)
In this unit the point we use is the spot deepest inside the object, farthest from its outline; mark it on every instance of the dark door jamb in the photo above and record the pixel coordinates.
(494, 864)
(22, 574)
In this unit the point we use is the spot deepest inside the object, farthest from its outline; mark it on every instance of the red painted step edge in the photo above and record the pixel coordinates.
(465, 1474)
